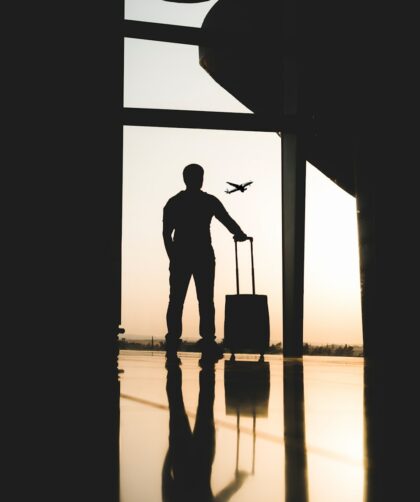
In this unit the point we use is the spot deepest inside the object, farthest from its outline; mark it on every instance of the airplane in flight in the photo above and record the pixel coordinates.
(241, 188)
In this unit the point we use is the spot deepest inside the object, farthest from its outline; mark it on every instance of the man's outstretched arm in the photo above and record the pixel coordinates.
(223, 216)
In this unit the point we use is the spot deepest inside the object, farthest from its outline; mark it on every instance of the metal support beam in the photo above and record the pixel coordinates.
(293, 190)
(206, 120)
(366, 217)
(164, 32)
(293, 220)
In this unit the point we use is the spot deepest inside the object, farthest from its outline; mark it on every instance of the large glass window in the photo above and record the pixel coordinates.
(153, 162)
(158, 11)
(154, 159)
(332, 312)
(167, 75)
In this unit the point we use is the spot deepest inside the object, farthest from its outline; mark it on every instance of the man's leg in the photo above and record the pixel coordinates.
(204, 285)
(179, 278)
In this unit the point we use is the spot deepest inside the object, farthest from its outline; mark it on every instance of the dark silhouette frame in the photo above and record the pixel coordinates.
(66, 138)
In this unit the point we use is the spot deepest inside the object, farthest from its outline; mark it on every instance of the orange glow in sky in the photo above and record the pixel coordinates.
(153, 162)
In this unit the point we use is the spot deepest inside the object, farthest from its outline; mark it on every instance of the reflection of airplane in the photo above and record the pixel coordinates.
(242, 187)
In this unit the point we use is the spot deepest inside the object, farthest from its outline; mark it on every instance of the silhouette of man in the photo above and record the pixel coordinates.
(186, 235)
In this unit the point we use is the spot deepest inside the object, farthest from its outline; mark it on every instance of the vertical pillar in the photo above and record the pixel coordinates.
(388, 218)
(366, 217)
(293, 222)
(293, 192)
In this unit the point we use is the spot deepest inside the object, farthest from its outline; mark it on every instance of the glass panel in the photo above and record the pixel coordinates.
(159, 11)
(167, 75)
(333, 310)
(154, 159)
(153, 162)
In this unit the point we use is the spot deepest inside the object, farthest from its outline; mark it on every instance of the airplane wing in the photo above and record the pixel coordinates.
(233, 184)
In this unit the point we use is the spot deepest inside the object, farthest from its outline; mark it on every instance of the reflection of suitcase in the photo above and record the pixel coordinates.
(247, 388)
(247, 325)
(247, 391)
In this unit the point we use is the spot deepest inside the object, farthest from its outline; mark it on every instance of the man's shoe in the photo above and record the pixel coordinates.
(212, 351)
(207, 363)
(172, 345)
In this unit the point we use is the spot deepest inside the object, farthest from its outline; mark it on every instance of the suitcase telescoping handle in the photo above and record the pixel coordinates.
(251, 239)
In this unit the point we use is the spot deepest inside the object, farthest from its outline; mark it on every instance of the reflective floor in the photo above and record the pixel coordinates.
(241, 431)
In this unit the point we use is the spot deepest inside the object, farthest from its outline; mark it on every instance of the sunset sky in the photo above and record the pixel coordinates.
(162, 75)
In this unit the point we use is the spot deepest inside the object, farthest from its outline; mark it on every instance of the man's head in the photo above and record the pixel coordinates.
(193, 176)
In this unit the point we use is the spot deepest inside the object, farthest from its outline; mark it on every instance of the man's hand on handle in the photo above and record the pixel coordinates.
(241, 237)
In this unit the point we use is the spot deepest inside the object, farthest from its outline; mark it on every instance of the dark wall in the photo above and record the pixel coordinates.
(63, 236)
(62, 190)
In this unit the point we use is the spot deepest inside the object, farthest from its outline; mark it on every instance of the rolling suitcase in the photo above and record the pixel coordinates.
(247, 325)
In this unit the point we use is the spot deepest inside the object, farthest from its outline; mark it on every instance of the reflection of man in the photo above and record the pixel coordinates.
(188, 215)
(186, 473)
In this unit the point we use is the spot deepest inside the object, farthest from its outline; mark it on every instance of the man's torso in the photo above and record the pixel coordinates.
(190, 214)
